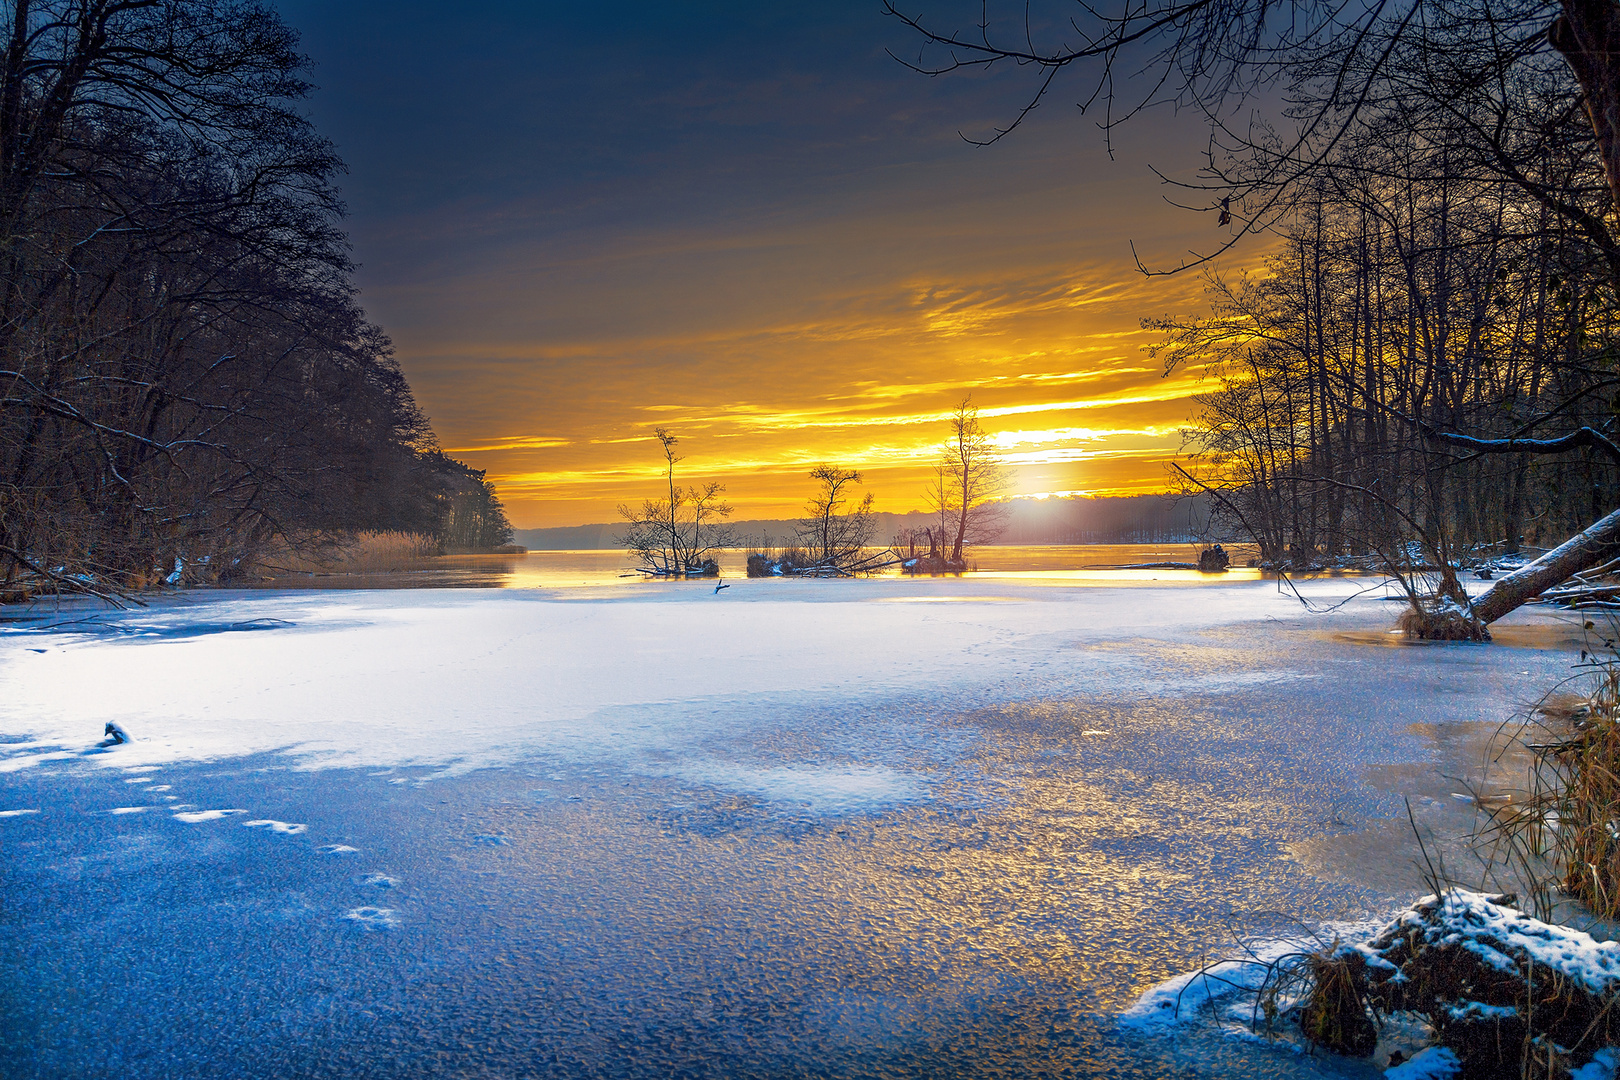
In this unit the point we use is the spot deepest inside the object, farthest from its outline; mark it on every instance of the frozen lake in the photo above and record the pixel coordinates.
(844, 828)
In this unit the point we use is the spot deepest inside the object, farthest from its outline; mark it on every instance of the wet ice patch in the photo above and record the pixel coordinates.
(491, 840)
(834, 789)
(372, 918)
(336, 849)
(16, 813)
(193, 817)
(290, 828)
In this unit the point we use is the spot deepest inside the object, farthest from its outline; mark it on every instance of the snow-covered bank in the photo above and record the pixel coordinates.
(1459, 985)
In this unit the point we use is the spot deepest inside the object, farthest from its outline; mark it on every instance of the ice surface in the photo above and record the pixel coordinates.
(801, 829)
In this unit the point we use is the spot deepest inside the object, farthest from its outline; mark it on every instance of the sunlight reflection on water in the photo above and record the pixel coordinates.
(1067, 564)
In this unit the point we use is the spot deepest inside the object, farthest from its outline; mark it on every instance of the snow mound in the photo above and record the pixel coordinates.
(1503, 937)
(1603, 1066)
(1430, 1063)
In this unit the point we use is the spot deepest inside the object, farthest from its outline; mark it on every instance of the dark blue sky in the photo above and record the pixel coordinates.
(578, 221)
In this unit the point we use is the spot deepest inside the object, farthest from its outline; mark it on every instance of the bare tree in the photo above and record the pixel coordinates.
(835, 535)
(676, 536)
(970, 477)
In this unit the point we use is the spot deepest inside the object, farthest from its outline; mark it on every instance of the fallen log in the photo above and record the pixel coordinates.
(1580, 552)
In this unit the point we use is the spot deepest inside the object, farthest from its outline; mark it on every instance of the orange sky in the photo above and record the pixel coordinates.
(785, 258)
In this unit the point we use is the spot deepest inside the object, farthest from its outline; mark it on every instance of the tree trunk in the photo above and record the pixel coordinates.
(1588, 34)
(1578, 553)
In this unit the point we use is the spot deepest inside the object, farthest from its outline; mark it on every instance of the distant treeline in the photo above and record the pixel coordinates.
(185, 376)
(1134, 519)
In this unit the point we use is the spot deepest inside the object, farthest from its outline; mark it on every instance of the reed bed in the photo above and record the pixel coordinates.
(357, 553)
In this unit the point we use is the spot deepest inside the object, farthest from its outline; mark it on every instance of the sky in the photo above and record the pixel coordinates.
(750, 225)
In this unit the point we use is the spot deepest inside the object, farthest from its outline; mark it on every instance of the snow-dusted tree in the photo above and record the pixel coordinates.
(676, 536)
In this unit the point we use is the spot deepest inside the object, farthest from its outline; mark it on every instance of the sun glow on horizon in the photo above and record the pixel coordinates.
(759, 389)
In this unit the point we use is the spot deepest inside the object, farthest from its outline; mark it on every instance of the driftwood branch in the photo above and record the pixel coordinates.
(1581, 552)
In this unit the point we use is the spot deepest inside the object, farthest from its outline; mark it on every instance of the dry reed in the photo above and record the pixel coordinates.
(357, 553)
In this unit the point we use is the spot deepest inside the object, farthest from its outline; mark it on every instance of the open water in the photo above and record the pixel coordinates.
(1080, 563)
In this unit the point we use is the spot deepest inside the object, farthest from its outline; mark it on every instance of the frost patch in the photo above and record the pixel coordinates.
(372, 918)
(129, 810)
(380, 881)
(336, 849)
(193, 817)
(830, 789)
(290, 828)
(16, 813)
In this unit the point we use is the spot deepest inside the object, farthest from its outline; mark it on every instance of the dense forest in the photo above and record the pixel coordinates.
(1425, 364)
(185, 374)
